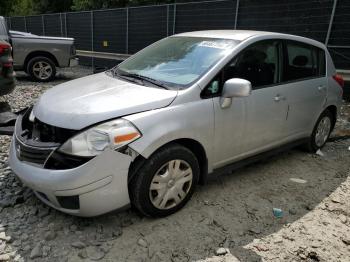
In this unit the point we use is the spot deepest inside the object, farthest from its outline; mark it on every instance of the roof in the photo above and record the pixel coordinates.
(239, 35)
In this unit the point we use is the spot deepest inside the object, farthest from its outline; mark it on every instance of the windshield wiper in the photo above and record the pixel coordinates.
(144, 78)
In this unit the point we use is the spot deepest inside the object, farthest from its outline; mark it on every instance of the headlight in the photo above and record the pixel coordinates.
(114, 134)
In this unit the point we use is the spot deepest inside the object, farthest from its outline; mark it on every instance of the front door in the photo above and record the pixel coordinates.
(255, 122)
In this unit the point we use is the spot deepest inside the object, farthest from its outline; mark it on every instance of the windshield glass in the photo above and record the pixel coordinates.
(176, 61)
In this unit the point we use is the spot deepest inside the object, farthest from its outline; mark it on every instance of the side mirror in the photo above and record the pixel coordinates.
(235, 87)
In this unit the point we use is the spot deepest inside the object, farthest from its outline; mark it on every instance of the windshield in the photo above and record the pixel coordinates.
(176, 62)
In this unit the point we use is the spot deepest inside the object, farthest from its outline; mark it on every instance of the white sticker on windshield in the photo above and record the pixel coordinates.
(215, 44)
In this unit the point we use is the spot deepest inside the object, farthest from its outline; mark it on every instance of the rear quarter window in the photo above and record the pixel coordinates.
(303, 61)
(321, 62)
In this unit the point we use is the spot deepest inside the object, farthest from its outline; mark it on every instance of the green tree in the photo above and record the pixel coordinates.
(31, 7)
(16, 7)
(51, 6)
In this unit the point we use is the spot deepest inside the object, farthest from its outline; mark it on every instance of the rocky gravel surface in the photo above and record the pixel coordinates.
(291, 207)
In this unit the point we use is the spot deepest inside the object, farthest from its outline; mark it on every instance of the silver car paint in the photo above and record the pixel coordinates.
(78, 102)
(105, 175)
(248, 136)
(227, 135)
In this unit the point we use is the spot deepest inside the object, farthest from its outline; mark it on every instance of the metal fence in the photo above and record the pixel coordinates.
(127, 30)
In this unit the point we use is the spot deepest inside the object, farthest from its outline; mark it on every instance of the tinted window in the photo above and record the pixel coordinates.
(303, 61)
(322, 62)
(258, 64)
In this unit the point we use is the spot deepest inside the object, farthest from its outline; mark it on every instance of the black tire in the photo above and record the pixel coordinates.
(311, 145)
(34, 65)
(139, 186)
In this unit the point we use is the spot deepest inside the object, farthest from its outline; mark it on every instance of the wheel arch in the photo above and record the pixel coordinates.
(193, 145)
(334, 111)
(40, 53)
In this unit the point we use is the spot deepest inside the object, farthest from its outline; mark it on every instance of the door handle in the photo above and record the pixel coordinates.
(278, 98)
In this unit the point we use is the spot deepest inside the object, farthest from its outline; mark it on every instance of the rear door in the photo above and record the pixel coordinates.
(305, 85)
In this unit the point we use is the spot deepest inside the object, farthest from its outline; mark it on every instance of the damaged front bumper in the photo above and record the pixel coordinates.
(94, 188)
(83, 187)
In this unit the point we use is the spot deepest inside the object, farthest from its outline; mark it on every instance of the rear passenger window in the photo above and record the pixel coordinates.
(303, 61)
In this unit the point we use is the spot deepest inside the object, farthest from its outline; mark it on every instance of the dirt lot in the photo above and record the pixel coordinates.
(229, 219)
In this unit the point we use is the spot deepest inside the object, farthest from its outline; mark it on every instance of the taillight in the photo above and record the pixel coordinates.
(7, 64)
(4, 47)
(339, 79)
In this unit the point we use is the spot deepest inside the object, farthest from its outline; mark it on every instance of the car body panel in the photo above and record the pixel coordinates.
(230, 127)
(77, 104)
(186, 118)
(306, 99)
(23, 46)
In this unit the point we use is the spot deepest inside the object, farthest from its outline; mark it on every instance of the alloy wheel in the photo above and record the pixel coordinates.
(42, 70)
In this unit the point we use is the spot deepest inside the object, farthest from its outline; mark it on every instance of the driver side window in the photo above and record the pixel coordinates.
(258, 63)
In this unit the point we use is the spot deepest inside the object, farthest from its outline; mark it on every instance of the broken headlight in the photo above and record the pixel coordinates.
(114, 134)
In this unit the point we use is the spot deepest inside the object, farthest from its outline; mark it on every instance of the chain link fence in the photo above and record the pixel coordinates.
(127, 30)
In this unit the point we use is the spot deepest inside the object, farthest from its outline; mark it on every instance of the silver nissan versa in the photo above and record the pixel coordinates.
(148, 131)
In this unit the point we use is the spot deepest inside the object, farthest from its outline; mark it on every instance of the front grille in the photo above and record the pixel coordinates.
(59, 160)
(32, 154)
(35, 140)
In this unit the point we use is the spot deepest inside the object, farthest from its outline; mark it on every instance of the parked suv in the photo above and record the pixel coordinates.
(7, 81)
(149, 130)
(39, 56)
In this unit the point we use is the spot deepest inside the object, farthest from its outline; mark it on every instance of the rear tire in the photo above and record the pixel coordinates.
(41, 69)
(165, 182)
(321, 132)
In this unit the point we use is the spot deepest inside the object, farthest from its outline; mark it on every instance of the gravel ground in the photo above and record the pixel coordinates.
(229, 219)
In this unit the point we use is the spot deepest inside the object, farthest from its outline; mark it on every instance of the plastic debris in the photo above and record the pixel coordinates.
(298, 180)
(277, 212)
(319, 152)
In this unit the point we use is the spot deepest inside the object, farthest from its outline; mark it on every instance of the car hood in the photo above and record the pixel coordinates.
(96, 98)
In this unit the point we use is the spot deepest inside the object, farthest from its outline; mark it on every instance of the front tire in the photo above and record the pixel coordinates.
(321, 132)
(41, 69)
(165, 182)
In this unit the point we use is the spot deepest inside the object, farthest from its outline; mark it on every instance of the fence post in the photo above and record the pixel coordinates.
(61, 24)
(236, 16)
(127, 32)
(167, 20)
(65, 24)
(43, 23)
(331, 22)
(25, 23)
(92, 39)
(174, 19)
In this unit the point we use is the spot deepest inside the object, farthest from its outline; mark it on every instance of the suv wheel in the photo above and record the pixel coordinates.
(165, 182)
(321, 132)
(41, 69)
